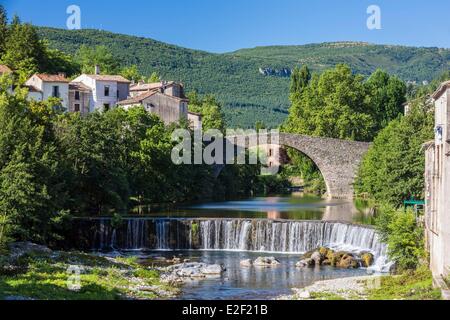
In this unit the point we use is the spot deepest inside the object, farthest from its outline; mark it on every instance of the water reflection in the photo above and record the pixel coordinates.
(293, 207)
(253, 282)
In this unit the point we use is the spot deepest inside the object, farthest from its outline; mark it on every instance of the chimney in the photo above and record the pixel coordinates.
(62, 74)
(97, 69)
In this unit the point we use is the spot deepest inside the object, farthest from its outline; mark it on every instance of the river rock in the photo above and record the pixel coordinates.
(212, 269)
(266, 262)
(348, 261)
(367, 259)
(317, 258)
(246, 263)
(19, 249)
(305, 263)
(304, 294)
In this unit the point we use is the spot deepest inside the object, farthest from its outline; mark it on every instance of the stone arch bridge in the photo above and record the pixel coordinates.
(338, 160)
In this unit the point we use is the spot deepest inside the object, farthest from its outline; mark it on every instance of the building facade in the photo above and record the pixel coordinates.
(170, 109)
(44, 86)
(106, 90)
(437, 186)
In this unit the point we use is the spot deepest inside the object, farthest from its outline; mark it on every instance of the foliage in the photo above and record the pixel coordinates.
(403, 235)
(209, 108)
(131, 73)
(245, 94)
(392, 170)
(46, 277)
(410, 285)
(89, 57)
(25, 53)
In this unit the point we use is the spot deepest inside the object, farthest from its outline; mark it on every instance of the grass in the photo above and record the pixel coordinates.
(46, 277)
(411, 285)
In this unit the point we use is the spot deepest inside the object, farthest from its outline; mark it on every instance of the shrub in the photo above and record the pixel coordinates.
(404, 237)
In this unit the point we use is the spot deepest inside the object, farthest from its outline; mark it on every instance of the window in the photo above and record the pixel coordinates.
(270, 152)
(106, 107)
(118, 94)
(55, 91)
(77, 95)
(106, 91)
(77, 107)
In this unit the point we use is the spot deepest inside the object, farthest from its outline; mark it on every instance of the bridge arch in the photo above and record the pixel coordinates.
(338, 160)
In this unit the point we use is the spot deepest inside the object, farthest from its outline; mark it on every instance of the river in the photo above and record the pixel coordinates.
(228, 232)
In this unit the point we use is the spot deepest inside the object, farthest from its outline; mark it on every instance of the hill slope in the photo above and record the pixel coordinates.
(235, 79)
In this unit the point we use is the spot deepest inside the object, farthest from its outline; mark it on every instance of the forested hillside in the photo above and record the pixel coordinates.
(235, 79)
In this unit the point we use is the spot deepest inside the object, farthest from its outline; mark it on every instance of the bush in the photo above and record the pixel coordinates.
(404, 237)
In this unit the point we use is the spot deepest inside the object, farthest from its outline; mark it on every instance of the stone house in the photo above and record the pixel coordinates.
(195, 120)
(106, 90)
(170, 88)
(44, 86)
(169, 108)
(79, 97)
(437, 186)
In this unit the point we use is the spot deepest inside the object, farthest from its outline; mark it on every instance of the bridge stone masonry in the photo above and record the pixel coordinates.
(338, 160)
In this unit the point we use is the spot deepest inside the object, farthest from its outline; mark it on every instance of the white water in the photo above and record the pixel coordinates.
(291, 237)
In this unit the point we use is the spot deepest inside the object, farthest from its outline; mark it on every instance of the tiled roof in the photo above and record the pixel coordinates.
(78, 86)
(4, 69)
(150, 86)
(138, 99)
(114, 78)
(52, 77)
(444, 86)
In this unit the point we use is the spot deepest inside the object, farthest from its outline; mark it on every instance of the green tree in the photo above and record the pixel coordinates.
(392, 170)
(131, 73)
(154, 77)
(210, 109)
(385, 97)
(100, 56)
(3, 29)
(23, 49)
(299, 81)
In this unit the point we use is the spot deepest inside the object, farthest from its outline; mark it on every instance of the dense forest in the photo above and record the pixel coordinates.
(234, 78)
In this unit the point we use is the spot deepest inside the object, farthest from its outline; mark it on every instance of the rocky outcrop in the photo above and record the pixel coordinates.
(246, 263)
(193, 270)
(266, 262)
(339, 259)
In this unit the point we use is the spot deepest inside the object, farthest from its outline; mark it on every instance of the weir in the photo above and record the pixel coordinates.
(259, 235)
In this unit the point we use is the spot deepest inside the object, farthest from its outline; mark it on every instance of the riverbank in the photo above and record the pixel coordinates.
(31, 272)
(413, 285)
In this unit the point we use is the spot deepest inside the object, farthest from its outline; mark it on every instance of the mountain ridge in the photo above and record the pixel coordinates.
(234, 77)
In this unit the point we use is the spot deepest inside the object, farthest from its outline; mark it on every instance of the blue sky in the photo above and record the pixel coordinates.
(227, 25)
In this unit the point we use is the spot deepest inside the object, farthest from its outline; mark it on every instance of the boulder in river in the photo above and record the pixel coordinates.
(367, 259)
(246, 263)
(308, 262)
(317, 258)
(266, 262)
(348, 261)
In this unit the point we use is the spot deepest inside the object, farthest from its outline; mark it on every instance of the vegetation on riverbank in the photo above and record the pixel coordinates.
(409, 285)
(53, 276)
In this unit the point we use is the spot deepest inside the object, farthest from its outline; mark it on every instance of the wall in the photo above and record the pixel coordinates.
(169, 109)
(437, 180)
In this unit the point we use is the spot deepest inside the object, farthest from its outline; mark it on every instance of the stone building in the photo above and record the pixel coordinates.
(44, 86)
(79, 97)
(170, 88)
(170, 109)
(106, 90)
(437, 186)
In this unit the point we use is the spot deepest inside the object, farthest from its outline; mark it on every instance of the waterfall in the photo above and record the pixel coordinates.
(279, 236)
